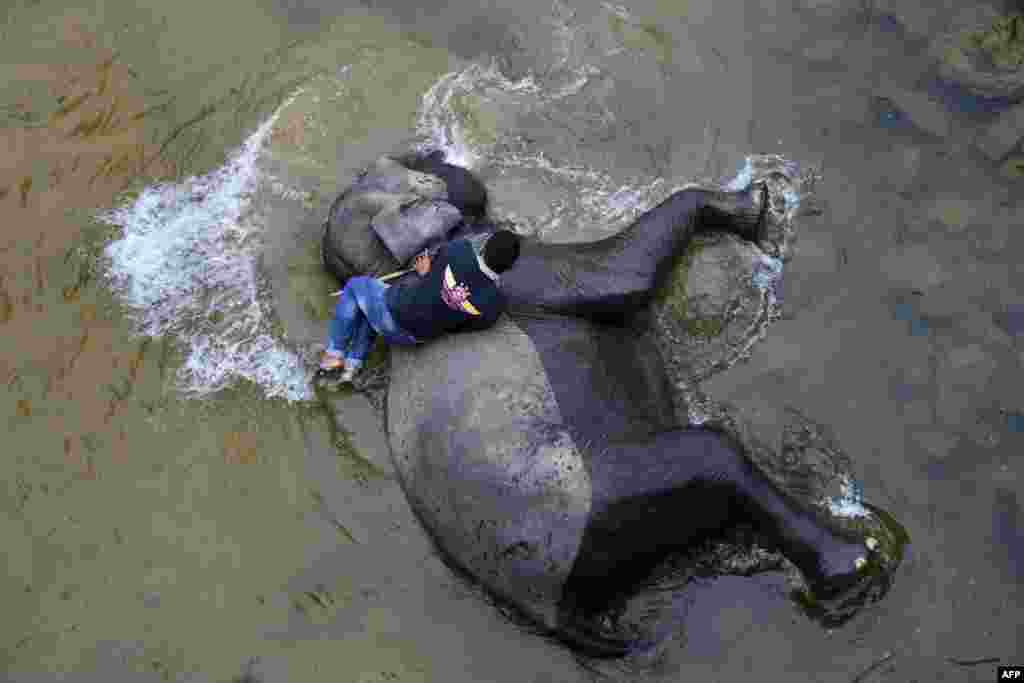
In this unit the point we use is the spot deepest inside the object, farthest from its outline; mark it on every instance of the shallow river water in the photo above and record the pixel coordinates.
(178, 504)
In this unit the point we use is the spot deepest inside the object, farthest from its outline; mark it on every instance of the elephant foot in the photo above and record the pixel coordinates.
(743, 213)
(835, 597)
(842, 568)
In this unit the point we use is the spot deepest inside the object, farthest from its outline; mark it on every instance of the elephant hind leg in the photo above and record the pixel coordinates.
(743, 213)
(608, 280)
(680, 487)
(830, 561)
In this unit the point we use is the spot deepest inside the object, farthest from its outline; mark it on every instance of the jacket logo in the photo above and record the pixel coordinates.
(455, 294)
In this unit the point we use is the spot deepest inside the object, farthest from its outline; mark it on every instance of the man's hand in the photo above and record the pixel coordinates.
(422, 263)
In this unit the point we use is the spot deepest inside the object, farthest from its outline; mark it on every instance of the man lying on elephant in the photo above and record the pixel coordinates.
(458, 290)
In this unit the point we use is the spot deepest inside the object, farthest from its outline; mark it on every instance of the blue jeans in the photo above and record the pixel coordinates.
(361, 314)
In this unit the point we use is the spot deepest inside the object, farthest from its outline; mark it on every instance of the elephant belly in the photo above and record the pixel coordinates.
(488, 464)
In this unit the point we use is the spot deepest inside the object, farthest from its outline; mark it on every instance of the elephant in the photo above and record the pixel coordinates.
(542, 455)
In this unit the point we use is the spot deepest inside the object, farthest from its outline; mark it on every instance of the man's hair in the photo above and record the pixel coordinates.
(501, 250)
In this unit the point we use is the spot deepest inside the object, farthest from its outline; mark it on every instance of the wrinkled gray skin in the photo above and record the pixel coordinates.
(489, 467)
(482, 403)
(390, 193)
(413, 223)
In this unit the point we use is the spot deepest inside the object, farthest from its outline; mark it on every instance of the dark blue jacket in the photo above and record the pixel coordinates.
(456, 295)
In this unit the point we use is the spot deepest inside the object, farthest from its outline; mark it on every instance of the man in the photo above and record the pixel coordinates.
(458, 290)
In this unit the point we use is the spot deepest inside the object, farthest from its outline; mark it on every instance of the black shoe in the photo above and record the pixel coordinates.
(847, 566)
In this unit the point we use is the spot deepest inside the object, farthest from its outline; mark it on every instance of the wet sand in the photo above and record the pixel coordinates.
(149, 537)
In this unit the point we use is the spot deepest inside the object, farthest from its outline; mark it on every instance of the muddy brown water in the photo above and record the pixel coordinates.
(148, 536)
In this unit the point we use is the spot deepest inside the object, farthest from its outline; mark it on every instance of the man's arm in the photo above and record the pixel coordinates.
(431, 252)
(421, 264)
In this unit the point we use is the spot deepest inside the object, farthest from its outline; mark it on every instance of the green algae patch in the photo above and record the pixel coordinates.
(956, 57)
(954, 214)
(340, 437)
(876, 576)
(309, 285)
(704, 327)
(320, 604)
(481, 127)
(351, 464)
(1003, 42)
(892, 536)
(378, 356)
(661, 40)
(673, 295)
(617, 25)
(1013, 168)
(672, 8)
(88, 246)
(646, 36)
(988, 57)
(419, 39)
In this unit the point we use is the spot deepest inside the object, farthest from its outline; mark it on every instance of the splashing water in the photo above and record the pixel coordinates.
(586, 197)
(438, 125)
(583, 204)
(187, 266)
(787, 186)
(592, 201)
(850, 501)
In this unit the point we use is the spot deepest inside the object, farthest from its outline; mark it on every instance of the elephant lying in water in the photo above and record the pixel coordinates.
(542, 455)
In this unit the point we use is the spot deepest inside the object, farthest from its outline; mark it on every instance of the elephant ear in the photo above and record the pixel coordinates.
(408, 227)
(349, 245)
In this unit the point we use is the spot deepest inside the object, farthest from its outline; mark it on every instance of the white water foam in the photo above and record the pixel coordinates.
(768, 275)
(186, 263)
(590, 199)
(441, 129)
(849, 502)
(186, 266)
